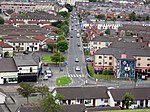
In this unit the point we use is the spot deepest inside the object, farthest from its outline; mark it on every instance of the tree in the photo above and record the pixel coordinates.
(105, 72)
(42, 89)
(64, 14)
(65, 28)
(52, 46)
(62, 46)
(60, 32)
(133, 16)
(127, 100)
(107, 32)
(147, 18)
(6, 54)
(50, 103)
(1, 20)
(26, 89)
(60, 38)
(57, 57)
(69, 7)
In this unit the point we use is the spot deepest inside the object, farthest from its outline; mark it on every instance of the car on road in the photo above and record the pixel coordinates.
(78, 44)
(77, 68)
(76, 60)
(71, 36)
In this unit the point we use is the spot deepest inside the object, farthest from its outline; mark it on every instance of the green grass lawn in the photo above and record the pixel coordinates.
(134, 110)
(47, 59)
(99, 76)
(62, 81)
(104, 77)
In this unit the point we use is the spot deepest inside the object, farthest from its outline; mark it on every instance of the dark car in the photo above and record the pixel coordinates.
(25, 52)
(71, 36)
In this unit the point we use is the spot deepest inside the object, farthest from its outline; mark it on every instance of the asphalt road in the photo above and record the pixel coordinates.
(75, 51)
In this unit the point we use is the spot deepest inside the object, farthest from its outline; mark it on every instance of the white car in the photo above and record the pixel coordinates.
(49, 73)
(45, 77)
(77, 68)
(76, 60)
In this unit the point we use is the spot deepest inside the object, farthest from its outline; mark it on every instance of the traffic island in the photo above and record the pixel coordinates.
(63, 81)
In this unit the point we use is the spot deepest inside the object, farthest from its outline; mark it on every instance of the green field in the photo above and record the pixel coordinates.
(99, 76)
(104, 77)
(63, 81)
(47, 59)
(134, 110)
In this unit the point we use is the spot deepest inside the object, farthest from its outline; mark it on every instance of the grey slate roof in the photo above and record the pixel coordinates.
(65, 108)
(74, 108)
(137, 93)
(101, 39)
(7, 65)
(97, 109)
(116, 52)
(82, 92)
(24, 60)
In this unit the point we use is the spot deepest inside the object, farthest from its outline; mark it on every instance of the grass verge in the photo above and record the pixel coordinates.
(47, 59)
(62, 81)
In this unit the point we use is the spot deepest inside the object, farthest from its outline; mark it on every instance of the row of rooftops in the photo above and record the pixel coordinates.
(11, 64)
(97, 92)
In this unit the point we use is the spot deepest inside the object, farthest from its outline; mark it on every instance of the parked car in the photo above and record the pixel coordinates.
(45, 77)
(45, 64)
(48, 73)
(25, 52)
(78, 44)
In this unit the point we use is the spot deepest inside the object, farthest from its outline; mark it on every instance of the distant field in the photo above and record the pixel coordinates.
(135, 110)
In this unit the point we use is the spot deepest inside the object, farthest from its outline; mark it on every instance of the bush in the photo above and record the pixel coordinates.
(91, 71)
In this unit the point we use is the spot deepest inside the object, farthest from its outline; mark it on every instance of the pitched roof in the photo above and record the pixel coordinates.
(24, 60)
(29, 109)
(97, 109)
(41, 38)
(82, 92)
(73, 108)
(8, 65)
(137, 93)
(65, 108)
(50, 41)
(5, 45)
(50, 27)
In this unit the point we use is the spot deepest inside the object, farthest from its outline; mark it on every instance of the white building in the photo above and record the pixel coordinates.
(24, 44)
(89, 96)
(141, 97)
(72, 2)
(8, 71)
(4, 47)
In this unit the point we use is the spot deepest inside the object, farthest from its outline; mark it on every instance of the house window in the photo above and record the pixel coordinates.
(148, 59)
(100, 57)
(110, 63)
(100, 63)
(139, 64)
(110, 58)
(22, 43)
(14, 44)
(35, 48)
(87, 101)
(106, 100)
(148, 64)
(35, 43)
(20, 68)
(95, 43)
(105, 62)
(139, 58)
